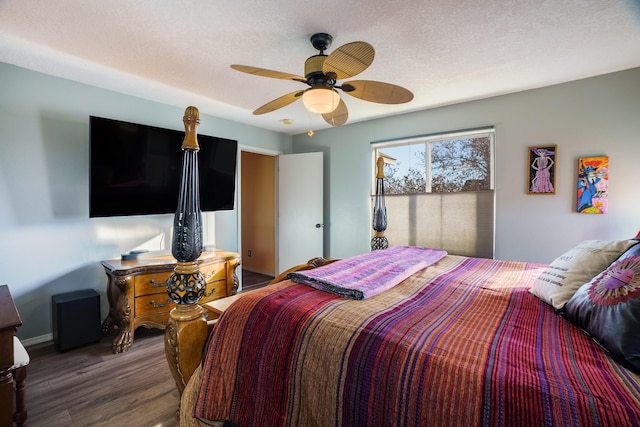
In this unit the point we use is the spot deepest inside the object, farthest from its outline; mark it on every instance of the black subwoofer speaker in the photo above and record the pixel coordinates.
(76, 319)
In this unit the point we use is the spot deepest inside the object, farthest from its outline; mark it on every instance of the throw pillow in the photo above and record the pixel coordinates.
(560, 280)
(608, 309)
(632, 251)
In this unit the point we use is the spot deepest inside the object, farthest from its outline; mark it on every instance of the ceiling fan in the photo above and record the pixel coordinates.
(322, 73)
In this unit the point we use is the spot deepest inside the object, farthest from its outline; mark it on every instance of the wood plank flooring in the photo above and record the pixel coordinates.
(91, 386)
(252, 280)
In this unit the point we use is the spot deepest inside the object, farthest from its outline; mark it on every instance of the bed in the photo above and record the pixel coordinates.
(452, 341)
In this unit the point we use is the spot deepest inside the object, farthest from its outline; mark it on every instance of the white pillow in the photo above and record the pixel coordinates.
(562, 278)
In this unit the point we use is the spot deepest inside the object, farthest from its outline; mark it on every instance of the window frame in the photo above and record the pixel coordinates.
(428, 140)
(473, 237)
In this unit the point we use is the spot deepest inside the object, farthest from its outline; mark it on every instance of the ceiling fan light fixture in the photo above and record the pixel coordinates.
(322, 72)
(320, 100)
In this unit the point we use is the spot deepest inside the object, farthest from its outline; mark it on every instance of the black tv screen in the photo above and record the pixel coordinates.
(135, 169)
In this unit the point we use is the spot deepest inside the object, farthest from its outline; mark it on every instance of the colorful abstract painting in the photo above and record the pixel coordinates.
(593, 184)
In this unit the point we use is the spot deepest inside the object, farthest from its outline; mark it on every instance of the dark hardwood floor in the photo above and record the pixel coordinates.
(91, 386)
(252, 280)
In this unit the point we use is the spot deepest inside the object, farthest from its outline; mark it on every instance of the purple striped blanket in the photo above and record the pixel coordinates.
(366, 275)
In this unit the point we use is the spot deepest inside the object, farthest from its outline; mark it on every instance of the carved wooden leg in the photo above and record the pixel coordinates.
(122, 342)
(122, 313)
(184, 339)
(232, 277)
(6, 396)
(109, 324)
(20, 416)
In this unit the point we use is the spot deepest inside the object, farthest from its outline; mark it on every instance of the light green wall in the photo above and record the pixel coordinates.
(49, 244)
(596, 116)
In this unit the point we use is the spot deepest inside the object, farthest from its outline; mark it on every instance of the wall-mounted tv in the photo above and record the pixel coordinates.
(135, 169)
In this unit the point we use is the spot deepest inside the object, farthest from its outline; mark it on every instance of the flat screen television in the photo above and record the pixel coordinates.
(135, 169)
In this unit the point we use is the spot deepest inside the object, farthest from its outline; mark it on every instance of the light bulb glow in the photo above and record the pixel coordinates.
(321, 101)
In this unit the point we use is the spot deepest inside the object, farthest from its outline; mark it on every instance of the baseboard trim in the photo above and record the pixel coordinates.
(37, 340)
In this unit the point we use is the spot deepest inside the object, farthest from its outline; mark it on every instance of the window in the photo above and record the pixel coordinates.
(439, 191)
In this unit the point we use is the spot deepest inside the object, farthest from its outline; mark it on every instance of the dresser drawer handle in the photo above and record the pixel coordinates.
(156, 305)
(210, 293)
(157, 285)
(208, 276)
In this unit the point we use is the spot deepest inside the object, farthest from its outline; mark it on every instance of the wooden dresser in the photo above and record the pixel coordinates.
(137, 291)
(9, 321)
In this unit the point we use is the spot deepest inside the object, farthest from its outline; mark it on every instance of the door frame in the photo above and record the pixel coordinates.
(265, 152)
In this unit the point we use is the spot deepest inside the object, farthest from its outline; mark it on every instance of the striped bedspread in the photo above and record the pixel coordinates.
(460, 343)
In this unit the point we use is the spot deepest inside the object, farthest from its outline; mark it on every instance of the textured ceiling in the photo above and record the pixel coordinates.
(444, 51)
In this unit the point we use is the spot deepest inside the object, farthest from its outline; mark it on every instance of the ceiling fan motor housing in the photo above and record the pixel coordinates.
(313, 65)
(314, 75)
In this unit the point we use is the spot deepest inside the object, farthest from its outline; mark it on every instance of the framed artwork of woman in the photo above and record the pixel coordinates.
(542, 170)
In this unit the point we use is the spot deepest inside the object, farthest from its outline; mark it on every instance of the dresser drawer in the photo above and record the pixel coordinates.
(150, 304)
(214, 271)
(152, 283)
(216, 289)
(159, 301)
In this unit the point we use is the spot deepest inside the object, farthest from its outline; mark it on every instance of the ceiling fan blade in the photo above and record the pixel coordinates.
(380, 92)
(349, 60)
(263, 72)
(283, 101)
(338, 116)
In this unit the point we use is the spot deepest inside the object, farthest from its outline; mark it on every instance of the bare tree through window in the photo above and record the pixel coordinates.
(451, 166)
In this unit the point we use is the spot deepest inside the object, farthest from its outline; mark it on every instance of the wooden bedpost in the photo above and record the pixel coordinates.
(379, 241)
(185, 337)
(186, 329)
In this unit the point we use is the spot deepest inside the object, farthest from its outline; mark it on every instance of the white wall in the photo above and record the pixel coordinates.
(49, 244)
(596, 116)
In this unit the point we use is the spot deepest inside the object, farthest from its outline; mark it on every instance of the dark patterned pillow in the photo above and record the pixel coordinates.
(632, 251)
(608, 308)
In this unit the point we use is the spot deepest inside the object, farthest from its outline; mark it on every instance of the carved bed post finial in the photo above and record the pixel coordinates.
(186, 286)
(380, 165)
(191, 120)
(379, 241)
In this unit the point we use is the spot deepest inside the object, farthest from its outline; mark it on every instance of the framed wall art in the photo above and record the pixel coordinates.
(542, 170)
(593, 184)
